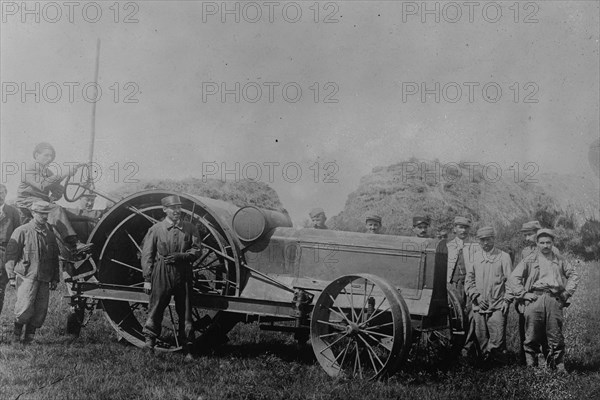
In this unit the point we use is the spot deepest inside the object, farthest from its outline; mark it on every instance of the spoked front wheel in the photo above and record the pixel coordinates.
(360, 328)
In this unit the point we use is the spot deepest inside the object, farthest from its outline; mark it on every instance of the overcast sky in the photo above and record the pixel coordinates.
(365, 69)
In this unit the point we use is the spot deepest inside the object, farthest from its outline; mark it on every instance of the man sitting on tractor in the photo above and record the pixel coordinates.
(38, 182)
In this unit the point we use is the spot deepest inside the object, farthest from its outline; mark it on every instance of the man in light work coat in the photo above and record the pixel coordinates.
(170, 248)
(459, 250)
(318, 218)
(32, 267)
(485, 284)
(545, 282)
(9, 220)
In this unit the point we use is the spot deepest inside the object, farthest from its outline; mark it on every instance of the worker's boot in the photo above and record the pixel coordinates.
(17, 332)
(187, 349)
(29, 335)
(531, 360)
(150, 343)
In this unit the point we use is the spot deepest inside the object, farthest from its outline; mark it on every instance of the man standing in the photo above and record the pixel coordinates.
(170, 248)
(32, 267)
(318, 218)
(9, 220)
(545, 282)
(373, 223)
(528, 230)
(420, 226)
(459, 250)
(485, 285)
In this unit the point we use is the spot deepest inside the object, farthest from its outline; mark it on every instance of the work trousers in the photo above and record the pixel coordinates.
(3, 279)
(543, 327)
(31, 306)
(167, 281)
(471, 338)
(490, 329)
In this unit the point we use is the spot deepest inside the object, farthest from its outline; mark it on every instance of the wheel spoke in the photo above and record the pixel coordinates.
(126, 265)
(341, 327)
(373, 351)
(380, 342)
(341, 313)
(358, 360)
(368, 328)
(351, 302)
(345, 352)
(362, 311)
(334, 342)
(134, 242)
(376, 314)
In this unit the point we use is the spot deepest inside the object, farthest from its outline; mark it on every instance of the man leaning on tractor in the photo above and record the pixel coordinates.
(459, 250)
(170, 247)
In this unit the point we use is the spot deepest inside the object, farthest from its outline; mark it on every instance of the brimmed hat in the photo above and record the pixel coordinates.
(373, 217)
(531, 226)
(42, 207)
(420, 220)
(316, 211)
(486, 231)
(545, 232)
(173, 200)
(462, 221)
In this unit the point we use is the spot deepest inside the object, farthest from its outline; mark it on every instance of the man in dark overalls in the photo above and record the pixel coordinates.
(460, 249)
(170, 248)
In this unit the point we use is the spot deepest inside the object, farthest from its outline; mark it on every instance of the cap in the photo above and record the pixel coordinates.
(462, 221)
(420, 220)
(531, 226)
(316, 211)
(486, 231)
(173, 200)
(41, 206)
(544, 232)
(373, 217)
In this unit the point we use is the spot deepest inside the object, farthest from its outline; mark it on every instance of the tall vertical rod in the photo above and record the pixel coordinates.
(93, 131)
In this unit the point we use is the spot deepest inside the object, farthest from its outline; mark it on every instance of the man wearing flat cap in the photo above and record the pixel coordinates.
(545, 282)
(528, 230)
(170, 247)
(420, 226)
(460, 248)
(318, 218)
(485, 284)
(373, 223)
(32, 267)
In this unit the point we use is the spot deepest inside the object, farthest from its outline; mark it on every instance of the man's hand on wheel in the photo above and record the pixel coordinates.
(12, 282)
(147, 287)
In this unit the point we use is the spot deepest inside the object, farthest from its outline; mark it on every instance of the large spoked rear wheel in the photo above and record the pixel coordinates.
(441, 345)
(360, 328)
(214, 272)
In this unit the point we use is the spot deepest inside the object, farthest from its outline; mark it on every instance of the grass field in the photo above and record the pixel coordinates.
(263, 365)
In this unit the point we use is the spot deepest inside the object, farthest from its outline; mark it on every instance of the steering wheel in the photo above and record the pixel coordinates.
(77, 185)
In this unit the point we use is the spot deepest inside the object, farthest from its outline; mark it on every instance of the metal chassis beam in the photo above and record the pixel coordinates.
(242, 305)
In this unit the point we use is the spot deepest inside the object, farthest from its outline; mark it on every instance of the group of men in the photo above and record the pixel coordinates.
(482, 277)
(479, 273)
